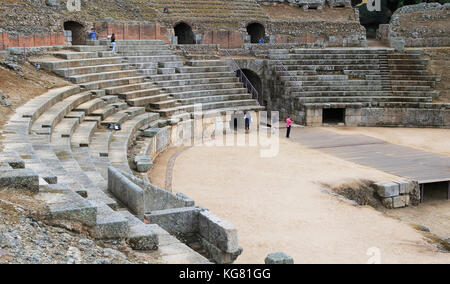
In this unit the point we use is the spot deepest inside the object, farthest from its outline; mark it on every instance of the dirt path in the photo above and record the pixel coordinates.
(278, 204)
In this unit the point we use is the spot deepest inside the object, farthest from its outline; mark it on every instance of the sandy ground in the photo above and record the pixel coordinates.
(427, 139)
(278, 204)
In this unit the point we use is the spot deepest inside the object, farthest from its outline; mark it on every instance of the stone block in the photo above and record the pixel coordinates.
(398, 44)
(150, 132)
(387, 189)
(405, 187)
(388, 202)
(218, 232)
(400, 201)
(278, 258)
(143, 163)
(25, 179)
(176, 221)
(218, 255)
(13, 159)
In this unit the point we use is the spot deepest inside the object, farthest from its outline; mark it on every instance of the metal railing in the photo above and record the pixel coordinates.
(242, 78)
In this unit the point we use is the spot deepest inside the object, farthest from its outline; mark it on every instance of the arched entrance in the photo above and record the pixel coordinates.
(256, 32)
(184, 33)
(256, 82)
(78, 34)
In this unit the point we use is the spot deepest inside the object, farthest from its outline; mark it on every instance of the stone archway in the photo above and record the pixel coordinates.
(256, 32)
(78, 32)
(184, 33)
(256, 82)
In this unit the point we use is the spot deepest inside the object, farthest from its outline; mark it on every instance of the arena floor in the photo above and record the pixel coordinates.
(279, 203)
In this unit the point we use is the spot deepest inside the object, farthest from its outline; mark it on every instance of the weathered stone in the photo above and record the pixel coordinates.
(278, 258)
(400, 201)
(388, 202)
(150, 132)
(218, 232)
(143, 163)
(387, 189)
(25, 179)
(176, 221)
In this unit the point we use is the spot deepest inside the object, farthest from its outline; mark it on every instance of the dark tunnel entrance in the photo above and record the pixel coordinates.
(78, 33)
(184, 34)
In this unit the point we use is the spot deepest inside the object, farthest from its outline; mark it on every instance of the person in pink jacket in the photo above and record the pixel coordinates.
(288, 126)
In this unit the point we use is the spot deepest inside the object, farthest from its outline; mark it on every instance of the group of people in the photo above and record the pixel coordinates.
(93, 35)
(248, 120)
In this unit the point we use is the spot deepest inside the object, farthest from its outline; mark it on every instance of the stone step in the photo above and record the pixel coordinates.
(110, 224)
(329, 67)
(315, 78)
(336, 88)
(210, 99)
(147, 65)
(141, 43)
(362, 99)
(204, 63)
(118, 150)
(110, 99)
(90, 106)
(330, 62)
(356, 94)
(335, 105)
(105, 84)
(75, 55)
(65, 64)
(45, 123)
(89, 48)
(170, 64)
(171, 83)
(207, 106)
(141, 59)
(276, 57)
(338, 51)
(76, 114)
(166, 70)
(117, 118)
(125, 48)
(67, 72)
(82, 135)
(412, 67)
(202, 87)
(410, 88)
(100, 144)
(192, 94)
(65, 204)
(65, 128)
(161, 52)
(104, 112)
(165, 104)
(144, 101)
(120, 89)
(189, 76)
(409, 72)
(79, 79)
(147, 72)
(141, 236)
(187, 69)
(139, 93)
(409, 61)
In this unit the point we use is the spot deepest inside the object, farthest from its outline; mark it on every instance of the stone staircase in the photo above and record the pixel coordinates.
(60, 149)
(65, 147)
(313, 79)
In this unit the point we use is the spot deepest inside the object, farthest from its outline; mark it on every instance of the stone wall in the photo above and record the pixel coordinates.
(135, 19)
(435, 116)
(398, 194)
(422, 25)
(439, 65)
